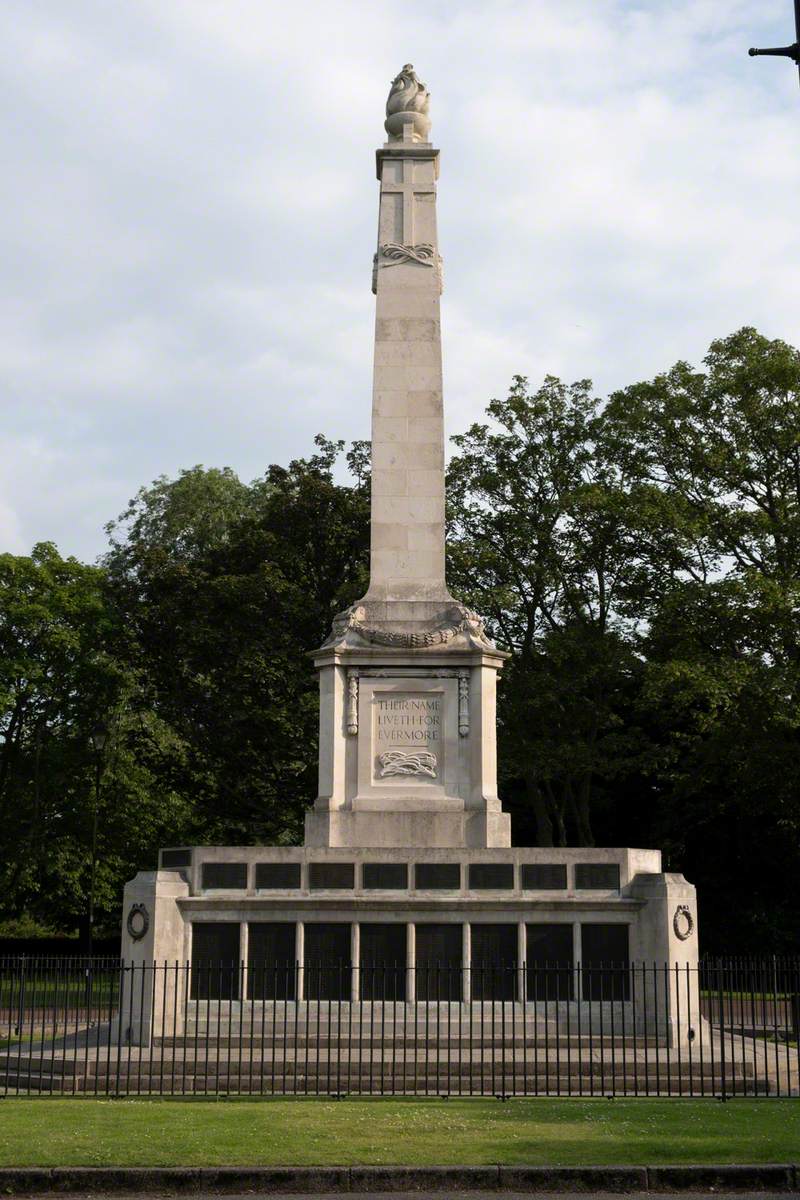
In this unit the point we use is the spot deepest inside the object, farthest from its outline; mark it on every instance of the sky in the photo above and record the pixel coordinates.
(189, 216)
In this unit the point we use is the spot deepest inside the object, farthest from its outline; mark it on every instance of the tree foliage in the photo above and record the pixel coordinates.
(641, 560)
(639, 557)
(547, 535)
(64, 671)
(722, 649)
(225, 587)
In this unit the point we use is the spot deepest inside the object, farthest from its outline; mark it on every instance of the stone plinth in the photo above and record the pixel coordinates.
(645, 917)
(154, 931)
(407, 748)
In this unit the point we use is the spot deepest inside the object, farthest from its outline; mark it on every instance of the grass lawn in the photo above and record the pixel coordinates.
(69, 992)
(411, 1132)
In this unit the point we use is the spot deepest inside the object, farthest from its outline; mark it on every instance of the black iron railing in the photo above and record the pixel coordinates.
(107, 1027)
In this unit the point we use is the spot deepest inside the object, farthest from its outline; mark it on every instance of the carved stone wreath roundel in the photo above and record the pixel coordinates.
(683, 922)
(138, 921)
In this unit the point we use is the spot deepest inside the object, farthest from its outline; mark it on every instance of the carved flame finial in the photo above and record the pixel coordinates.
(407, 107)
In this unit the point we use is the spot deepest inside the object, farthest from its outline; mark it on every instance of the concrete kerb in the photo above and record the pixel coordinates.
(768, 1177)
(427, 1179)
(573, 1179)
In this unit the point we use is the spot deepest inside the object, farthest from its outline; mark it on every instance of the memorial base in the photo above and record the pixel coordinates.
(497, 920)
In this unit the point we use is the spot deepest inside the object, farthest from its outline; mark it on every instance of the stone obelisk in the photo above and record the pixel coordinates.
(407, 552)
(408, 676)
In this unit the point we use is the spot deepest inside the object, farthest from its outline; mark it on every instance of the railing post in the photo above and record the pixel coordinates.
(88, 990)
(411, 962)
(721, 998)
(244, 954)
(355, 962)
(794, 1008)
(577, 957)
(299, 952)
(21, 1000)
(466, 961)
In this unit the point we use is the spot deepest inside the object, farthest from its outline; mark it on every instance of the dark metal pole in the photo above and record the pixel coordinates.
(98, 738)
(792, 52)
(93, 866)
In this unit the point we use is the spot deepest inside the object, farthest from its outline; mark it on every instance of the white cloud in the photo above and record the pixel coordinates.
(11, 536)
(190, 215)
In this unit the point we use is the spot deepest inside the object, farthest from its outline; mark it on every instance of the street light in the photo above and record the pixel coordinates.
(98, 737)
(792, 51)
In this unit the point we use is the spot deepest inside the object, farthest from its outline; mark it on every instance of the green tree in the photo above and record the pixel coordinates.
(63, 673)
(722, 648)
(545, 532)
(225, 588)
(641, 560)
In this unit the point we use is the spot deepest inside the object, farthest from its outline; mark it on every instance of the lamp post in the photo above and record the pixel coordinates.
(99, 737)
(793, 51)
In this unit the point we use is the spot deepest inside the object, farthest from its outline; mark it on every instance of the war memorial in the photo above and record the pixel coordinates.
(406, 947)
(407, 888)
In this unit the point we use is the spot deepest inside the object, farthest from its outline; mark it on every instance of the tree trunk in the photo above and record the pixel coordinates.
(558, 815)
(583, 813)
(544, 826)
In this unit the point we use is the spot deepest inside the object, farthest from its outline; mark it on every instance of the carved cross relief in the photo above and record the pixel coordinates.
(407, 188)
(401, 246)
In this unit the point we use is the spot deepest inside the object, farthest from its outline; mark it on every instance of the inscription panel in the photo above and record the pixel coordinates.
(407, 747)
(407, 736)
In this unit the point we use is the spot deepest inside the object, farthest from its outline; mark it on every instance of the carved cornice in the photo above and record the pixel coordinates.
(410, 672)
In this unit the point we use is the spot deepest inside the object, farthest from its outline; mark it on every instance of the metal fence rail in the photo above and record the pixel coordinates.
(106, 1027)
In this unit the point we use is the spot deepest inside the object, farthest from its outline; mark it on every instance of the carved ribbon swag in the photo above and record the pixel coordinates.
(422, 254)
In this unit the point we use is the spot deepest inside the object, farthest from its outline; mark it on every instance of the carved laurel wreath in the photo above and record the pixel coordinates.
(438, 635)
(683, 923)
(138, 921)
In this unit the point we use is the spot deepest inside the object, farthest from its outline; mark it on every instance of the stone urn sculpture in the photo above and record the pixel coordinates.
(408, 105)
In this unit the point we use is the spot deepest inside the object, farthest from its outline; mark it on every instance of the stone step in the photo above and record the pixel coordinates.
(285, 1078)
(351, 1038)
(285, 1060)
(428, 1084)
(25, 1082)
(290, 1067)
